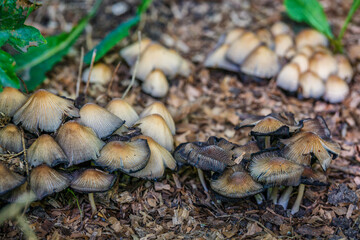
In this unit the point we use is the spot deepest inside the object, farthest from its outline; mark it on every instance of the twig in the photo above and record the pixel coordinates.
(135, 68)
(23, 83)
(25, 157)
(78, 82)
(112, 78)
(91, 67)
(347, 170)
(261, 225)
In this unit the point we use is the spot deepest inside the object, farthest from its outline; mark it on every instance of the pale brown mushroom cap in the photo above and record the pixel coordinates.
(336, 89)
(234, 182)
(131, 52)
(100, 74)
(123, 110)
(283, 42)
(156, 84)
(9, 179)
(127, 157)
(280, 28)
(45, 181)
(265, 36)
(302, 61)
(11, 99)
(273, 170)
(345, 70)
(288, 78)
(44, 111)
(11, 138)
(99, 119)
(316, 125)
(323, 65)
(241, 48)
(217, 59)
(45, 150)
(232, 35)
(310, 37)
(307, 50)
(311, 85)
(92, 181)
(80, 143)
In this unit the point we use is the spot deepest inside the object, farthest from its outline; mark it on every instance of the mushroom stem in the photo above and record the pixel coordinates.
(259, 198)
(274, 194)
(299, 197)
(202, 179)
(92, 203)
(285, 196)
(267, 142)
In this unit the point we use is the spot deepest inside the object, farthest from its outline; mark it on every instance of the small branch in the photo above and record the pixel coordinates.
(91, 67)
(23, 83)
(78, 82)
(112, 79)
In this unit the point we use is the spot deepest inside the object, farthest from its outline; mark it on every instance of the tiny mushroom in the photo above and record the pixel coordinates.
(156, 84)
(11, 138)
(336, 89)
(123, 110)
(288, 78)
(11, 99)
(100, 74)
(9, 179)
(241, 48)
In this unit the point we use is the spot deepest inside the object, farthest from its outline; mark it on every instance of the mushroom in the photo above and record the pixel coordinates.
(336, 89)
(262, 63)
(45, 150)
(344, 68)
(127, 157)
(217, 59)
(44, 111)
(99, 119)
(156, 84)
(159, 159)
(131, 52)
(283, 42)
(302, 61)
(11, 138)
(265, 36)
(280, 28)
(20, 194)
(232, 35)
(159, 108)
(80, 143)
(307, 50)
(100, 74)
(241, 48)
(288, 78)
(9, 179)
(11, 100)
(92, 181)
(323, 65)
(316, 125)
(310, 37)
(155, 127)
(45, 181)
(311, 85)
(123, 110)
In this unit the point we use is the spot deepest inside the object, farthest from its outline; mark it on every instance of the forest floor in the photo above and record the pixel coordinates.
(208, 103)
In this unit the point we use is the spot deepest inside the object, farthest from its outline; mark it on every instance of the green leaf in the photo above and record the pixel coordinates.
(111, 39)
(310, 12)
(145, 4)
(34, 64)
(24, 37)
(13, 13)
(7, 72)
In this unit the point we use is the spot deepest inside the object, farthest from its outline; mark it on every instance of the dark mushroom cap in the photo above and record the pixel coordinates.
(9, 179)
(46, 150)
(246, 150)
(273, 170)
(44, 111)
(11, 138)
(127, 157)
(45, 181)
(234, 182)
(314, 177)
(92, 180)
(99, 119)
(80, 143)
(316, 125)
(11, 100)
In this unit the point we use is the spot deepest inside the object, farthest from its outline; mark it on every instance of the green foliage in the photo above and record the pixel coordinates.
(7, 72)
(117, 34)
(312, 13)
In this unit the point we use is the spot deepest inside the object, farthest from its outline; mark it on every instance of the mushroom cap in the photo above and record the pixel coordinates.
(204, 157)
(11, 99)
(127, 157)
(302, 146)
(221, 142)
(45, 150)
(336, 89)
(241, 48)
(131, 52)
(313, 177)
(234, 182)
(232, 35)
(217, 59)
(185, 68)
(80, 143)
(280, 28)
(246, 150)
(316, 125)
(11, 138)
(9, 179)
(262, 62)
(270, 126)
(159, 108)
(290, 53)
(302, 61)
(310, 37)
(345, 70)
(156, 84)
(307, 50)
(168, 61)
(283, 42)
(323, 65)
(159, 159)
(99, 119)
(100, 74)
(45, 181)
(311, 85)
(20, 194)
(92, 180)
(288, 78)
(265, 36)
(44, 111)
(123, 110)
(155, 127)
(273, 170)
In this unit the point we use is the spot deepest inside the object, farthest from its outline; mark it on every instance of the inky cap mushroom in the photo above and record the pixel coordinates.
(241, 48)
(131, 52)
(288, 78)
(336, 89)
(156, 84)
(100, 74)
(11, 100)
(217, 59)
(9, 179)
(323, 65)
(310, 37)
(311, 85)
(123, 110)
(92, 180)
(11, 138)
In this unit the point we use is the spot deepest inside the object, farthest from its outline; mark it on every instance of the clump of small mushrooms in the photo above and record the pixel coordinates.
(300, 63)
(284, 154)
(156, 65)
(62, 146)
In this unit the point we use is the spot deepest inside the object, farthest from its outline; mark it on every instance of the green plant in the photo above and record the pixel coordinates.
(312, 13)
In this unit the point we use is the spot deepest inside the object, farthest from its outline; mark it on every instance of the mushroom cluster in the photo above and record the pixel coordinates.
(63, 146)
(301, 63)
(284, 153)
(156, 65)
